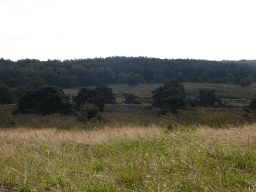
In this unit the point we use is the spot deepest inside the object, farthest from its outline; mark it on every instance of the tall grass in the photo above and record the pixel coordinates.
(201, 117)
(133, 151)
(136, 159)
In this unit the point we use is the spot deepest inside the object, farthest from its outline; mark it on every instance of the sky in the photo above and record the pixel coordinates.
(65, 29)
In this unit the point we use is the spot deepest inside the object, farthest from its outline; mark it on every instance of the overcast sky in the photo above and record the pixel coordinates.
(65, 29)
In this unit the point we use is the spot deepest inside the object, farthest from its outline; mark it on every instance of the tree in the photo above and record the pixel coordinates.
(106, 75)
(89, 96)
(217, 80)
(44, 101)
(207, 97)
(6, 95)
(135, 79)
(131, 99)
(180, 77)
(225, 80)
(107, 93)
(230, 77)
(159, 78)
(171, 96)
(148, 75)
(35, 84)
(204, 78)
(245, 82)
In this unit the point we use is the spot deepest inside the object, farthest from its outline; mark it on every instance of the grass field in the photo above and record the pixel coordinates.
(128, 159)
(133, 149)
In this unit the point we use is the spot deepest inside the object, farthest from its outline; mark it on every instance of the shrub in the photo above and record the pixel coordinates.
(131, 99)
(44, 101)
(88, 112)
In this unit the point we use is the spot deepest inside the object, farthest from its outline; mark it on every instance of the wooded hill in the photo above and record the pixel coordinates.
(123, 70)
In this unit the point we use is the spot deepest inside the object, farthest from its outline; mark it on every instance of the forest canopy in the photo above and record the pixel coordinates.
(129, 70)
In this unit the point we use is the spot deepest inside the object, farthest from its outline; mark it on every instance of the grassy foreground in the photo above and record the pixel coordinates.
(128, 159)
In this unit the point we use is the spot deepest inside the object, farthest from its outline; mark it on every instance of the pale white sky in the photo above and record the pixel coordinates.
(65, 29)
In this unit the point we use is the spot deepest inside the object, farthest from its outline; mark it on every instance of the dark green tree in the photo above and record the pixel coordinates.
(135, 79)
(89, 96)
(35, 84)
(205, 78)
(107, 93)
(44, 101)
(217, 80)
(225, 80)
(208, 97)
(245, 82)
(230, 77)
(180, 77)
(6, 95)
(159, 78)
(171, 96)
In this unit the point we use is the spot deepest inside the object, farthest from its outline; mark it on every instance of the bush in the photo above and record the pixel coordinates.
(107, 93)
(89, 96)
(88, 112)
(44, 101)
(130, 99)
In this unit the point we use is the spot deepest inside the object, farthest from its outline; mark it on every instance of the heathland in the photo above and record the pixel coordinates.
(133, 149)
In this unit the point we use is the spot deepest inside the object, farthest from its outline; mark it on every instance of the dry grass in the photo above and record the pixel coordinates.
(52, 135)
(128, 159)
(242, 137)
(120, 115)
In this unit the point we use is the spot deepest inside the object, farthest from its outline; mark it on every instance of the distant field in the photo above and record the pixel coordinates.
(232, 94)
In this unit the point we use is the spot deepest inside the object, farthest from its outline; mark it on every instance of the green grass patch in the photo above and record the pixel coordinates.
(184, 161)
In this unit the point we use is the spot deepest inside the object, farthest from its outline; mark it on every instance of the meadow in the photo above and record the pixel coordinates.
(133, 149)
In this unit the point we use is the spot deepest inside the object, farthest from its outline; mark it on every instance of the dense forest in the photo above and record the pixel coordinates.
(30, 73)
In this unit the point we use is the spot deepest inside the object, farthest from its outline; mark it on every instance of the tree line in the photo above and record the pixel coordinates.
(26, 74)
